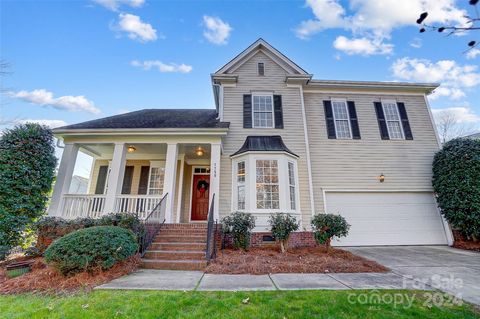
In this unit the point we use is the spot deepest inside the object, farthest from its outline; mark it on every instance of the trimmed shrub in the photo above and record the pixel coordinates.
(50, 228)
(456, 181)
(281, 226)
(27, 169)
(91, 248)
(327, 226)
(239, 225)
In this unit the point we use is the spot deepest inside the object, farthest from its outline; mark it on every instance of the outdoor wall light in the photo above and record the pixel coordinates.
(381, 178)
(199, 151)
(131, 149)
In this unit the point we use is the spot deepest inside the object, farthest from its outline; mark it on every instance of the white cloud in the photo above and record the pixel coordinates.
(162, 67)
(473, 53)
(416, 43)
(462, 114)
(136, 28)
(376, 19)
(115, 4)
(453, 77)
(68, 102)
(216, 31)
(49, 123)
(362, 46)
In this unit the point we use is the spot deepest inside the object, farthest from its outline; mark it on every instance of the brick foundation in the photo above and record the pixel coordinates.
(297, 239)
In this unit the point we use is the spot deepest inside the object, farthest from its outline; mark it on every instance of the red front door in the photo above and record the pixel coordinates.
(200, 192)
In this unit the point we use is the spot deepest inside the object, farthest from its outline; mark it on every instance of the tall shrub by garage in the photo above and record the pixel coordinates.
(456, 181)
(27, 170)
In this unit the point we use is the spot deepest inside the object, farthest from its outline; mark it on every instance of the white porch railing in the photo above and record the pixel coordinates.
(136, 204)
(83, 205)
(88, 205)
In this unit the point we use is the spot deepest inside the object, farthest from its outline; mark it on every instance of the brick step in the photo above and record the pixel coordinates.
(161, 238)
(174, 264)
(184, 226)
(183, 232)
(177, 246)
(175, 254)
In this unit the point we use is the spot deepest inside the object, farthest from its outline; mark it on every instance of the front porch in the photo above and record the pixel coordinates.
(133, 177)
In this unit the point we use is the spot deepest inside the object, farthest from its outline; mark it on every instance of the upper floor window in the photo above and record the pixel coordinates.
(263, 111)
(261, 68)
(342, 119)
(392, 117)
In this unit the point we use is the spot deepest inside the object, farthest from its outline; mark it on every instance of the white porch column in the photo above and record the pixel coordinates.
(115, 179)
(170, 179)
(64, 178)
(215, 153)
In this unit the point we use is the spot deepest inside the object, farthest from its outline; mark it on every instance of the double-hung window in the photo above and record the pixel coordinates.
(262, 111)
(291, 185)
(341, 118)
(392, 118)
(155, 182)
(241, 185)
(267, 186)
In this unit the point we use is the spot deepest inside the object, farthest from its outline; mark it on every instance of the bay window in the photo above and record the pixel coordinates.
(265, 183)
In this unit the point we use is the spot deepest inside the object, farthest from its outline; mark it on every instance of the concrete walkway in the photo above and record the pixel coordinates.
(151, 279)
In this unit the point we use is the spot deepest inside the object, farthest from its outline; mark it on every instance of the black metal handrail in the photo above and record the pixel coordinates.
(152, 224)
(211, 251)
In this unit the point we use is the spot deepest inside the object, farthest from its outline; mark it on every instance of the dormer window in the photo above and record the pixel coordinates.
(261, 68)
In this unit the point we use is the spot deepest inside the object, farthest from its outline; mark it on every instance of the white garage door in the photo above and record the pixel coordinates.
(388, 218)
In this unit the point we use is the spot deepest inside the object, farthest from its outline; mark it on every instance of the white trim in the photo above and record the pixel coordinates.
(342, 91)
(259, 94)
(191, 192)
(344, 101)
(180, 187)
(307, 150)
(156, 164)
(391, 101)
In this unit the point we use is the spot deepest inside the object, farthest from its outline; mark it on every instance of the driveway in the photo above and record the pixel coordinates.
(452, 270)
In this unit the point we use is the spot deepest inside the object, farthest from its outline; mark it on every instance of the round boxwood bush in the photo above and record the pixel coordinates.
(456, 181)
(91, 248)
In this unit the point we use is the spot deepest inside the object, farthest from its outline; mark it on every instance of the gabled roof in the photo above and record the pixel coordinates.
(154, 119)
(263, 144)
(263, 46)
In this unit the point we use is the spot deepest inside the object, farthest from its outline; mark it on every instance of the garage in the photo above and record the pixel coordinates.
(388, 218)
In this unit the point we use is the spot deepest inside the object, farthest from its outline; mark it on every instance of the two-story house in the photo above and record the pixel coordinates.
(277, 141)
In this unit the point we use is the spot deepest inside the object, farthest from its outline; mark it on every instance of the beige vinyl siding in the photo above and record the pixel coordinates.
(356, 164)
(292, 134)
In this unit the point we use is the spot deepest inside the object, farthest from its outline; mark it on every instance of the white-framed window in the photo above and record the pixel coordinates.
(392, 118)
(264, 183)
(241, 185)
(292, 186)
(156, 178)
(268, 196)
(262, 114)
(341, 119)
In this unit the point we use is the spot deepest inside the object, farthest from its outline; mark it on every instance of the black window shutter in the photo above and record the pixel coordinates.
(329, 118)
(101, 179)
(382, 124)
(247, 111)
(353, 120)
(406, 125)
(277, 106)
(127, 180)
(143, 184)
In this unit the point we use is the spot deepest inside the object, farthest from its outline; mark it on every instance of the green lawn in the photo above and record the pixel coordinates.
(271, 304)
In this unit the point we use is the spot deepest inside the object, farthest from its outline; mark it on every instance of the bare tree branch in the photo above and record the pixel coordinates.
(450, 127)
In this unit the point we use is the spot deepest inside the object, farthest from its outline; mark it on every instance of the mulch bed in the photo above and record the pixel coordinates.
(44, 278)
(259, 261)
(467, 245)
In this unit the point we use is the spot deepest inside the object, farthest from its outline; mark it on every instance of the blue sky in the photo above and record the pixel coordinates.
(72, 61)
